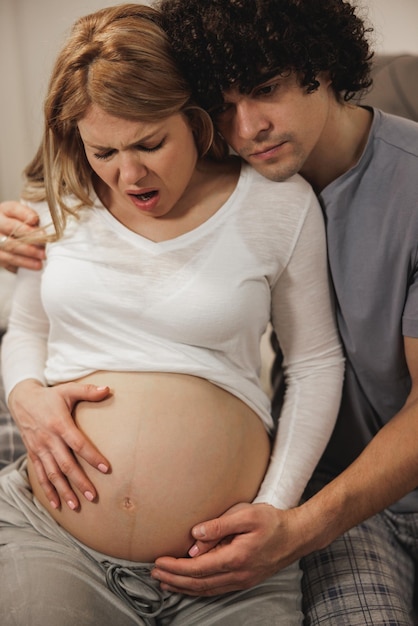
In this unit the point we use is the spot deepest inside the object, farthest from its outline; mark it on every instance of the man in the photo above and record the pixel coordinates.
(278, 77)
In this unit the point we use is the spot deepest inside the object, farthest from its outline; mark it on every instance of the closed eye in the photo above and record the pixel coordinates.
(107, 154)
(102, 156)
(143, 148)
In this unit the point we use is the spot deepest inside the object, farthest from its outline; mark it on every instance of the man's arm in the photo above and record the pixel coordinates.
(266, 539)
(386, 470)
(15, 219)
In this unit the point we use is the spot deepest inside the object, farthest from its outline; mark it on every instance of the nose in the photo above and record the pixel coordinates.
(249, 120)
(131, 168)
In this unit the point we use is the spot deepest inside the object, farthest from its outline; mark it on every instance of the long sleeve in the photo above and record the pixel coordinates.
(303, 318)
(25, 343)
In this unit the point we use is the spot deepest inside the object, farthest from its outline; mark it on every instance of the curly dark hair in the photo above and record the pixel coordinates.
(224, 43)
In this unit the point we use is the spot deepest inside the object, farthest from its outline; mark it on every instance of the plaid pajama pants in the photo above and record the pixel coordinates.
(368, 576)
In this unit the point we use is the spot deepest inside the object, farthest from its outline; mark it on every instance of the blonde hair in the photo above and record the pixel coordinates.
(119, 59)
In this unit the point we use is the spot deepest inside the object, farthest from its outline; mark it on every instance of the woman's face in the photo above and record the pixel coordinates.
(145, 167)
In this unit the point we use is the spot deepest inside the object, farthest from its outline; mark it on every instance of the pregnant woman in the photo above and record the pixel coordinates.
(165, 261)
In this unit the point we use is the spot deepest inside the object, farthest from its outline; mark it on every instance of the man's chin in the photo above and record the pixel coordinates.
(274, 172)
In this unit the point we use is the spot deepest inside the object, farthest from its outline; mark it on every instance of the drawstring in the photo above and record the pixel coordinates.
(135, 586)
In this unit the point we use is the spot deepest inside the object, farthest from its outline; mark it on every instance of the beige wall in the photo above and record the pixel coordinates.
(396, 24)
(30, 34)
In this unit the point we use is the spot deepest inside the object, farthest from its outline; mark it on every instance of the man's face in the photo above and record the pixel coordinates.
(277, 126)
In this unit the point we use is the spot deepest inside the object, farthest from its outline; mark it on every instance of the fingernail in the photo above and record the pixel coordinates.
(103, 468)
(89, 495)
(103, 388)
(193, 550)
(53, 504)
(199, 532)
(72, 505)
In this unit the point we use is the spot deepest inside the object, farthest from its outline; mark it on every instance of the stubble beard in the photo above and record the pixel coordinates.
(281, 168)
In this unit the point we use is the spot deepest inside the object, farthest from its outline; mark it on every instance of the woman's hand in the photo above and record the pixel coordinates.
(44, 417)
(16, 219)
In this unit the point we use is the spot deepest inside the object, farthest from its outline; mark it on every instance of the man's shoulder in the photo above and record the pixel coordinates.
(396, 132)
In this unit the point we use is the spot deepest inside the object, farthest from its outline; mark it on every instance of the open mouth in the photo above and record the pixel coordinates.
(144, 197)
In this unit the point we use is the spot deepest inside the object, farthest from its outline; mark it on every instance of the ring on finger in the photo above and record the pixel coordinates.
(3, 241)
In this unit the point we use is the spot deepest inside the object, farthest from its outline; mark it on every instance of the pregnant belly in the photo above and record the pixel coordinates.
(181, 450)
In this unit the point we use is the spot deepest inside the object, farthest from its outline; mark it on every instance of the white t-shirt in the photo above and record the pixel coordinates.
(110, 299)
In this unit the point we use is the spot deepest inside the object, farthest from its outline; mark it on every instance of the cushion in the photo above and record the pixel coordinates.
(395, 85)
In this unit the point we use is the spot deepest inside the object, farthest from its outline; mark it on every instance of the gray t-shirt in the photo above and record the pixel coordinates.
(371, 215)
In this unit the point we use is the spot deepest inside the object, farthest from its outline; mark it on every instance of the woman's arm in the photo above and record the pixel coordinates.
(16, 218)
(304, 320)
(44, 414)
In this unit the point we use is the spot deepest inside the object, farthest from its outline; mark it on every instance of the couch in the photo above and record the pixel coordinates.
(395, 85)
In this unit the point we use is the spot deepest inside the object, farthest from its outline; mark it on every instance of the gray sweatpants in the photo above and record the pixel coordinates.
(47, 578)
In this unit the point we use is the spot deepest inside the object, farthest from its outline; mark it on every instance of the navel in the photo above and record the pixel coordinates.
(128, 504)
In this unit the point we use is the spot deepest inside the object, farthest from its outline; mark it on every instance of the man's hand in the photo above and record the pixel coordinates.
(16, 219)
(247, 544)
(44, 417)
